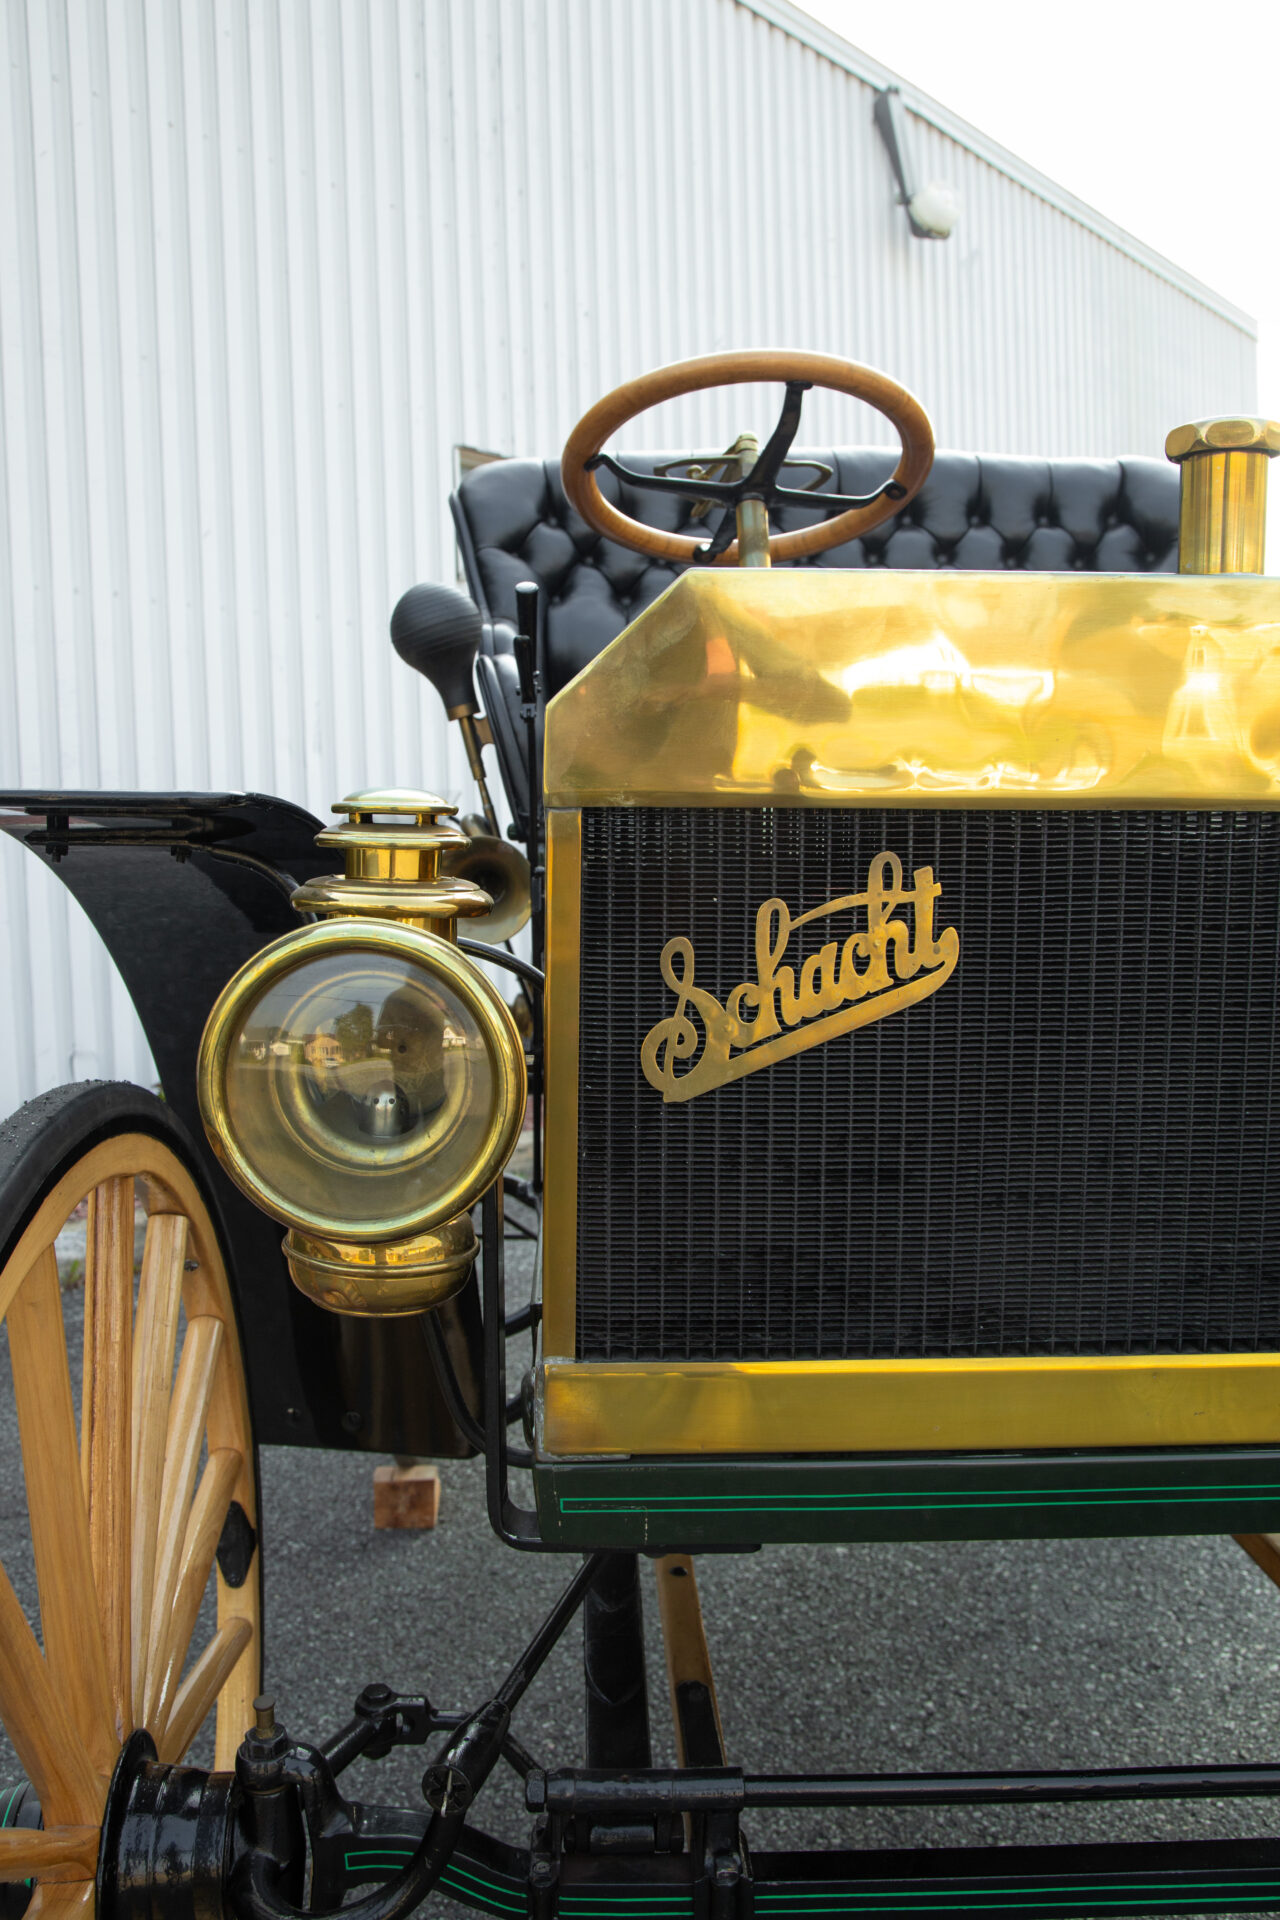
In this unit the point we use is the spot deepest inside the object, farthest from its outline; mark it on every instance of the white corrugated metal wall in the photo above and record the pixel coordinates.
(267, 262)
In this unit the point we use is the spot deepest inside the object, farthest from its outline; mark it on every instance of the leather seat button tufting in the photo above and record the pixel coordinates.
(521, 527)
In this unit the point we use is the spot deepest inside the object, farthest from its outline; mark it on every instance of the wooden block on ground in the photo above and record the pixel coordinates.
(406, 1496)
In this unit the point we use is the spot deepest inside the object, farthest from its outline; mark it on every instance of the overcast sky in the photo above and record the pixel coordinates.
(1157, 113)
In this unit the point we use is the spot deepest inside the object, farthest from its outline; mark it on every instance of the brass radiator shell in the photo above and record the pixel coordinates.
(800, 689)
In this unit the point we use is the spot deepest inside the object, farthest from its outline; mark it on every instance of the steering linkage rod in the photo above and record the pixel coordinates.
(268, 1768)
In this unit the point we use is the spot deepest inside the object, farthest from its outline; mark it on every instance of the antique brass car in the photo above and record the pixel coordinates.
(899, 1042)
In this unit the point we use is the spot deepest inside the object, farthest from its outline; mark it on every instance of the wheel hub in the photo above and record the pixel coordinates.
(167, 1839)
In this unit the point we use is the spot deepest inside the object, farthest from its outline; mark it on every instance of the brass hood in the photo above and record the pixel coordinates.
(818, 687)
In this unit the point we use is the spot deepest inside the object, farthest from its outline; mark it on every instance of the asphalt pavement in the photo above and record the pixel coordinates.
(1056, 1654)
(893, 1658)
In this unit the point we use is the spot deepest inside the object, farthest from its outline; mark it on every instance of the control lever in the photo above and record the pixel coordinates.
(525, 644)
(436, 630)
(532, 692)
(528, 667)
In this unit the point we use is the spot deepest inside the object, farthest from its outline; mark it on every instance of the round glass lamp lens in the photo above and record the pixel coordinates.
(362, 1087)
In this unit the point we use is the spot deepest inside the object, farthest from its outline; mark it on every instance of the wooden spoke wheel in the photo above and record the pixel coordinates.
(135, 1461)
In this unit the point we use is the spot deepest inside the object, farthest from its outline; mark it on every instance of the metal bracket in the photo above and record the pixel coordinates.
(236, 1546)
(382, 1719)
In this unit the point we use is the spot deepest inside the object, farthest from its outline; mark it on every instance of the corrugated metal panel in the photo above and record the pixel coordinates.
(270, 261)
(811, 32)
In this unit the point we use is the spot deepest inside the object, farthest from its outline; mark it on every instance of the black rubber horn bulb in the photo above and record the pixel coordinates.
(437, 630)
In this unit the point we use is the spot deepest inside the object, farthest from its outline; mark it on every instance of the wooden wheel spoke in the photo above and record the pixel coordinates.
(106, 1439)
(243, 1683)
(202, 1686)
(62, 1903)
(155, 1333)
(69, 1615)
(54, 1853)
(50, 1751)
(188, 1415)
(204, 1530)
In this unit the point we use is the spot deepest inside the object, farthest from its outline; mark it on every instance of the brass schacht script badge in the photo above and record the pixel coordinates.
(875, 971)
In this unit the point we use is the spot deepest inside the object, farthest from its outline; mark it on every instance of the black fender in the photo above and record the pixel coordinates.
(183, 888)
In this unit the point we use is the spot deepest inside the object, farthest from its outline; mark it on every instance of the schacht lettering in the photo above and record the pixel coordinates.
(870, 972)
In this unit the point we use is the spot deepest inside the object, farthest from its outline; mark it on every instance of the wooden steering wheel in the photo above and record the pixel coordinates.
(583, 455)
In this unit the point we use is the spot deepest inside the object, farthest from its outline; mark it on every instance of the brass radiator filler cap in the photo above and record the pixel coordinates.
(1222, 516)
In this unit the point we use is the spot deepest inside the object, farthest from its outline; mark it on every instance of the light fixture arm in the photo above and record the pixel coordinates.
(889, 125)
(890, 119)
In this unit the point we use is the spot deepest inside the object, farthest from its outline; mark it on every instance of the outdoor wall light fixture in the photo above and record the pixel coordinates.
(934, 208)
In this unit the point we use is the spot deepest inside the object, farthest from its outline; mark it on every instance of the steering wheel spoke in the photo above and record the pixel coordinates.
(854, 514)
(758, 483)
(721, 540)
(717, 490)
(892, 490)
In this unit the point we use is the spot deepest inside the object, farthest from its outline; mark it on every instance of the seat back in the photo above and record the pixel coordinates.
(979, 511)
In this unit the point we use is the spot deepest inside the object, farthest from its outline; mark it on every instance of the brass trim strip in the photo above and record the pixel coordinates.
(564, 949)
(858, 1406)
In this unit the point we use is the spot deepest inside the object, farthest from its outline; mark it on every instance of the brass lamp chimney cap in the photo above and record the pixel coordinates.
(393, 817)
(394, 800)
(393, 841)
(1235, 433)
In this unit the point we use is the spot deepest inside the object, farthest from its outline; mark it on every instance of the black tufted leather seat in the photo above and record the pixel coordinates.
(980, 511)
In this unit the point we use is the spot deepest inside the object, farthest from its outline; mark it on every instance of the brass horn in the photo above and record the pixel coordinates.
(501, 870)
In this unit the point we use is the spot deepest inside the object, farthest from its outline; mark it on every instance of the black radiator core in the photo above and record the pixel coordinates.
(1065, 1149)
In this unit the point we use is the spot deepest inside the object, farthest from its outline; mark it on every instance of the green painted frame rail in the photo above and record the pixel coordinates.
(1144, 1877)
(665, 1504)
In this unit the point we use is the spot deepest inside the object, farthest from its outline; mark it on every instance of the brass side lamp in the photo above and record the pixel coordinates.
(361, 1081)
(1222, 518)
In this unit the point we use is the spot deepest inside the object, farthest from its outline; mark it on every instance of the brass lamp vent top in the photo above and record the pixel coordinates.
(392, 843)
